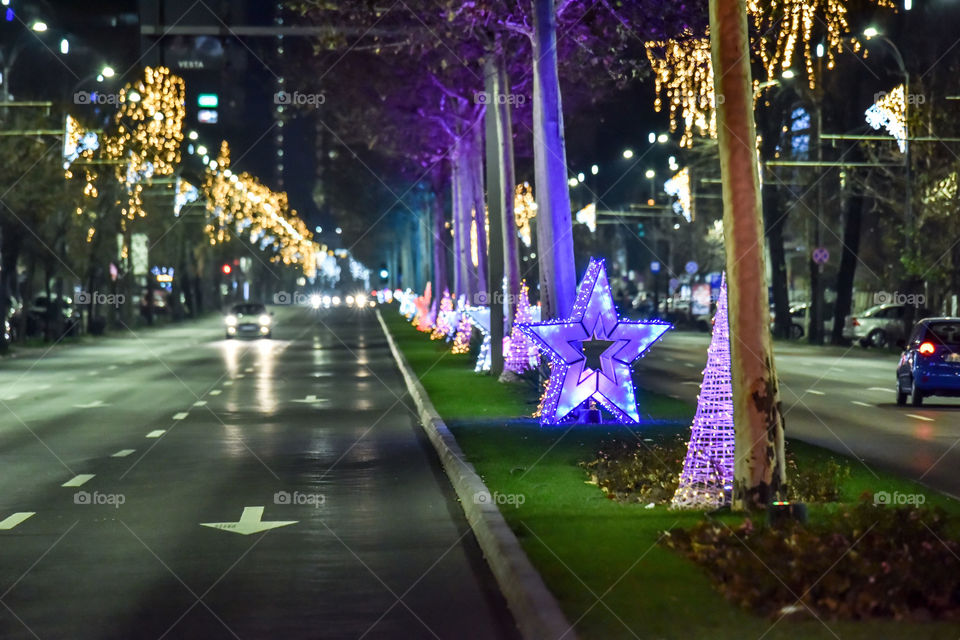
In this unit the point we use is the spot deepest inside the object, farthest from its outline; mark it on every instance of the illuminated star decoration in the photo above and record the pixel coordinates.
(591, 353)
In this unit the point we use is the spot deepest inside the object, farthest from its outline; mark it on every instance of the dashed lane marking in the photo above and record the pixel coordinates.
(157, 433)
(78, 481)
(11, 521)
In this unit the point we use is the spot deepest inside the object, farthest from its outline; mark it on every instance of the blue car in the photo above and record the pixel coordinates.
(930, 366)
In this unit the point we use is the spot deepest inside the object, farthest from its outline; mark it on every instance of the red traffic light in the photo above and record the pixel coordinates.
(227, 269)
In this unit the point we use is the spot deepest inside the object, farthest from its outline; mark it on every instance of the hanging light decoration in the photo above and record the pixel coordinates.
(524, 210)
(683, 75)
(890, 113)
(679, 187)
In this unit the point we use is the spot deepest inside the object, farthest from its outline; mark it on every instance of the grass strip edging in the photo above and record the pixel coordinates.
(535, 610)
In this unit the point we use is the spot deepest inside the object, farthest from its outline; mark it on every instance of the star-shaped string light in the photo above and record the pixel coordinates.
(569, 344)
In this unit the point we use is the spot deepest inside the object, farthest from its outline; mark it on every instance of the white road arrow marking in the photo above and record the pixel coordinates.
(91, 405)
(11, 521)
(78, 481)
(123, 453)
(250, 522)
(157, 433)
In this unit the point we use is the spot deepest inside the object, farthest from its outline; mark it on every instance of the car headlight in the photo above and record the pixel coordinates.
(349, 300)
(361, 301)
(336, 301)
(231, 320)
(264, 319)
(315, 301)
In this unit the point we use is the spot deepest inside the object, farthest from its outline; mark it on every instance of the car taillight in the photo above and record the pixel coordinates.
(855, 322)
(926, 349)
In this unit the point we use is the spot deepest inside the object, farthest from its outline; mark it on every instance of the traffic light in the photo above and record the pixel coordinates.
(641, 232)
(227, 269)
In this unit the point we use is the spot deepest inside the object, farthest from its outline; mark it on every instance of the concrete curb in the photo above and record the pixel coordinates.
(534, 608)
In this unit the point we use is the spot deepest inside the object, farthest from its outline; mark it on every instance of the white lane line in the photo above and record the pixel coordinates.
(180, 416)
(91, 405)
(689, 364)
(11, 521)
(123, 453)
(78, 481)
(861, 404)
(228, 383)
(215, 392)
(157, 433)
(111, 367)
(916, 417)
(249, 369)
(689, 382)
(815, 392)
(884, 389)
(200, 403)
(9, 398)
(240, 375)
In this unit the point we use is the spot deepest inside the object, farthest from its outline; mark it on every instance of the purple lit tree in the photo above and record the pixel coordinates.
(706, 481)
(522, 354)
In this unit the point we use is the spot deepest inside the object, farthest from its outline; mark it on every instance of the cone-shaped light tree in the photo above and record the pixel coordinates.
(707, 476)
(759, 470)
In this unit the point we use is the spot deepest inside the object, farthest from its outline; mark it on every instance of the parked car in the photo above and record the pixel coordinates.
(249, 319)
(930, 365)
(57, 311)
(800, 319)
(879, 326)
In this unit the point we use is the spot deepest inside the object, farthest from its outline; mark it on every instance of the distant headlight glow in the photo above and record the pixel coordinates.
(231, 320)
(264, 319)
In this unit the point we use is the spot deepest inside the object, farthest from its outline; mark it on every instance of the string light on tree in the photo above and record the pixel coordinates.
(461, 341)
(521, 352)
(707, 477)
(683, 73)
(444, 325)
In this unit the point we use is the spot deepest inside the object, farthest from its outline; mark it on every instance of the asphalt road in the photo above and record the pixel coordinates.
(177, 427)
(842, 399)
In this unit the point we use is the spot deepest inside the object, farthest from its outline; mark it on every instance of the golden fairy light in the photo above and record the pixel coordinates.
(239, 205)
(786, 30)
(683, 75)
(524, 210)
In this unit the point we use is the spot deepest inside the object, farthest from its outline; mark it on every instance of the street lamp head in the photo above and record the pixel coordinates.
(64, 46)
(870, 32)
(650, 173)
(662, 138)
(108, 72)
(628, 153)
(788, 74)
(39, 26)
(594, 169)
(581, 177)
(652, 137)
(573, 182)
(193, 135)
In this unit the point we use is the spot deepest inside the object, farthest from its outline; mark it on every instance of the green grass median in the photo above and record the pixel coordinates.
(602, 558)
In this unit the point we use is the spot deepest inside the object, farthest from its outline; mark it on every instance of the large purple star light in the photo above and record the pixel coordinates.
(591, 353)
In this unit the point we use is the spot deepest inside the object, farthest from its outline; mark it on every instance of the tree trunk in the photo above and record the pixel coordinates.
(852, 219)
(775, 221)
(511, 256)
(495, 197)
(456, 201)
(478, 206)
(759, 472)
(558, 278)
(440, 240)
(9, 253)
